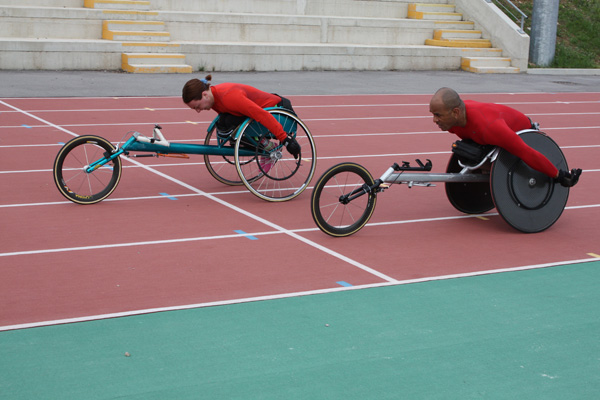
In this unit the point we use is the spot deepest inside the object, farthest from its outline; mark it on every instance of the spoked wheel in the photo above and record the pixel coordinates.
(469, 197)
(70, 174)
(526, 199)
(333, 214)
(273, 174)
(222, 168)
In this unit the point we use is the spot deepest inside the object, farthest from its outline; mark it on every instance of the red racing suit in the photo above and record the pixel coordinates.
(243, 100)
(496, 124)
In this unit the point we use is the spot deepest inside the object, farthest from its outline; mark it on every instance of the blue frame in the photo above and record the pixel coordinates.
(174, 147)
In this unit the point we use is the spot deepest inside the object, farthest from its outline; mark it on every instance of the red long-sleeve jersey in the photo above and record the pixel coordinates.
(243, 100)
(496, 124)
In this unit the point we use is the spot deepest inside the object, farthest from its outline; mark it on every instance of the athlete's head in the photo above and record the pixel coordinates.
(447, 108)
(196, 94)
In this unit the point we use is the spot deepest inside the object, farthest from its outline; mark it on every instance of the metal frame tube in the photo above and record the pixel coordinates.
(397, 178)
(187, 149)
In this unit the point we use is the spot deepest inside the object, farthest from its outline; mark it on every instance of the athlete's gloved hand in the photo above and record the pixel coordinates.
(292, 146)
(568, 179)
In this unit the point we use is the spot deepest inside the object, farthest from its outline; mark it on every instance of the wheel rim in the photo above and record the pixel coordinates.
(78, 185)
(273, 174)
(331, 215)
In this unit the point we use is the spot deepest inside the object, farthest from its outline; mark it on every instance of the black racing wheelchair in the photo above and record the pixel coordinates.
(344, 198)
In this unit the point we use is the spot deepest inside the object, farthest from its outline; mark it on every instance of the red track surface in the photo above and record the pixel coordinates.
(139, 250)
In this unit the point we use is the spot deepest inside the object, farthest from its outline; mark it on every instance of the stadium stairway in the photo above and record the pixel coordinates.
(167, 36)
(463, 37)
(139, 33)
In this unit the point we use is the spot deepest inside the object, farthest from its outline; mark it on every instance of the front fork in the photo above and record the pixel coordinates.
(378, 185)
(109, 156)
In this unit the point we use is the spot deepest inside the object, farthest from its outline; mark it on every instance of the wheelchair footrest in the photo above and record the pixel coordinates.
(406, 166)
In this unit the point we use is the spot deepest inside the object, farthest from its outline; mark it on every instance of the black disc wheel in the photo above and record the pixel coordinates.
(332, 210)
(469, 197)
(528, 200)
(70, 170)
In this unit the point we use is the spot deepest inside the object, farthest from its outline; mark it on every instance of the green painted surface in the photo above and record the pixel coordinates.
(522, 335)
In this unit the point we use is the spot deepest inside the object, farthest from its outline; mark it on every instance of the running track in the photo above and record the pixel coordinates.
(172, 237)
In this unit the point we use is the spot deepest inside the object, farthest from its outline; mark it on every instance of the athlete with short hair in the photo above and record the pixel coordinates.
(493, 124)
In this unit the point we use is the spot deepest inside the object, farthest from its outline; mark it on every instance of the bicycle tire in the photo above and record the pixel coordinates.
(70, 177)
(222, 168)
(286, 177)
(329, 213)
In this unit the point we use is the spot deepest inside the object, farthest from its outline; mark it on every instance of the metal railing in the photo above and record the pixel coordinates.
(515, 10)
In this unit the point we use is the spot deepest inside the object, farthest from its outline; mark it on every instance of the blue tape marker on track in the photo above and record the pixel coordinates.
(342, 283)
(246, 235)
(168, 197)
(26, 126)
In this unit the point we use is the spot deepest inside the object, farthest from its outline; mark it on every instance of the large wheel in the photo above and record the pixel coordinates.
(272, 173)
(332, 214)
(70, 174)
(528, 200)
(222, 168)
(469, 197)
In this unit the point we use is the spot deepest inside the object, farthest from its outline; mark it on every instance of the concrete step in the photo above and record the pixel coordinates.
(136, 36)
(462, 25)
(494, 70)
(47, 3)
(153, 58)
(83, 23)
(416, 8)
(154, 63)
(442, 34)
(488, 65)
(118, 5)
(485, 62)
(475, 43)
(439, 12)
(157, 69)
(127, 25)
(438, 16)
(337, 8)
(72, 54)
(299, 29)
(130, 14)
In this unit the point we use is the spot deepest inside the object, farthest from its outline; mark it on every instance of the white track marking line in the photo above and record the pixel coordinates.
(353, 95)
(290, 295)
(237, 209)
(231, 236)
(320, 106)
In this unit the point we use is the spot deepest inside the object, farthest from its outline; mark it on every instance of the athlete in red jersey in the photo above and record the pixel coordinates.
(493, 124)
(237, 100)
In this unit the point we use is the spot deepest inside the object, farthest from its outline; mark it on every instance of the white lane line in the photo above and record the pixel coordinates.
(230, 236)
(319, 106)
(290, 295)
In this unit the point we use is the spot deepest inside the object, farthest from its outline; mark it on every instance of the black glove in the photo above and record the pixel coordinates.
(568, 179)
(292, 146)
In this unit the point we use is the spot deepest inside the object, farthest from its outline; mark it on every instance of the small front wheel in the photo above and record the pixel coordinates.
(71, 177)
(331, 210)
